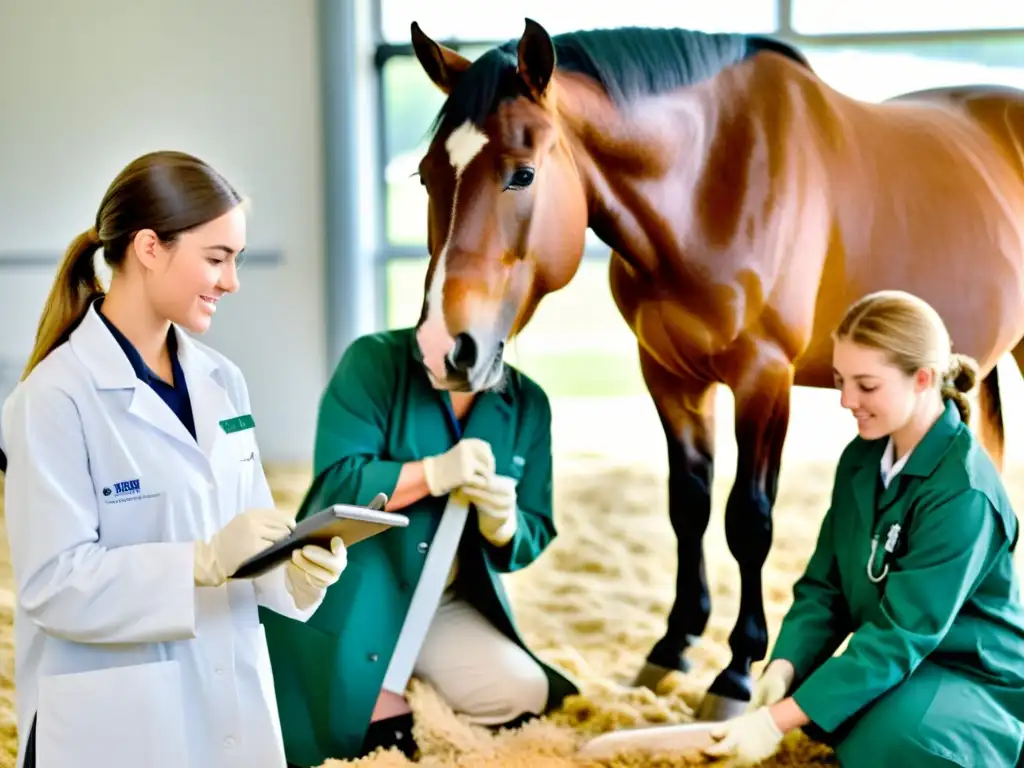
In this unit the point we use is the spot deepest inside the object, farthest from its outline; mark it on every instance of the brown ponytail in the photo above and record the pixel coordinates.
(959, 381)
(75, 285)
(166, 192)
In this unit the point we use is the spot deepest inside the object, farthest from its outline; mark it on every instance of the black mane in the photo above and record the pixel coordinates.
(627, 61)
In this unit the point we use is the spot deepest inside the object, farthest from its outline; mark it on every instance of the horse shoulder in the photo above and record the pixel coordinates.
(762, 221)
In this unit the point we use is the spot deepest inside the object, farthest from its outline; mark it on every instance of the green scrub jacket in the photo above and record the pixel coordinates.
(378, 412)
(933, 674)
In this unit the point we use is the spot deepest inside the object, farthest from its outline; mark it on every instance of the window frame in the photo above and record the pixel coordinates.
(385, 51)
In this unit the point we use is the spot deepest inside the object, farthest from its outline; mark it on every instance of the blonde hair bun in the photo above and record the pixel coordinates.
(912, 335)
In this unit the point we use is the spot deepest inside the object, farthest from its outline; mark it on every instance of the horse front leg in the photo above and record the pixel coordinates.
(761, 381)
(686, 409)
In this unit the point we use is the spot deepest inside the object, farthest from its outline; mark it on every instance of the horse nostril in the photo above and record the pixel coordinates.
(463, 356)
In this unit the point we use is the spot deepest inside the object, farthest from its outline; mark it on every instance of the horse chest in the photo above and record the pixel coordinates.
(696, 319)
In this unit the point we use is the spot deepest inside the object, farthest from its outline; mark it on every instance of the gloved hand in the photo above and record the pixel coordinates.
(470, 460)
(312, 570)
(495, 502)
(747, 739)
(772, 685)
(245, 535)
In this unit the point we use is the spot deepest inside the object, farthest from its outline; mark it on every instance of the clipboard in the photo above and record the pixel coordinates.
(427, 595)
(352, 523)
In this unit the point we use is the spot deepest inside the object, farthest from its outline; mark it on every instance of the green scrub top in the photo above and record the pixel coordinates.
(935, 660)
(378, 412)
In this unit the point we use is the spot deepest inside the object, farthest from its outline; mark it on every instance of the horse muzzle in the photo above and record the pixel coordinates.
(470, 366)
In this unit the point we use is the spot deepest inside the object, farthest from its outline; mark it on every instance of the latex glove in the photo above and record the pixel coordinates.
(245, 535)
(470, 460)
(772, 685)
(495, 502)
(747, 739)
(312, 570)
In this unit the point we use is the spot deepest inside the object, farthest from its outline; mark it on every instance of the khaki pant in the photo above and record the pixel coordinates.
(480, 673)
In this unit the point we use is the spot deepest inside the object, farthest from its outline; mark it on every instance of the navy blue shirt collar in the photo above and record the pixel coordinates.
(174, 393)
(143, 371)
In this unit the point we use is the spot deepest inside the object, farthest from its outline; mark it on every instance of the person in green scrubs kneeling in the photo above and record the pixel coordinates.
(913, 564)
(383, 427)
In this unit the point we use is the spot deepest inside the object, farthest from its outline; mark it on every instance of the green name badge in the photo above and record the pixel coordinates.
(238, 423)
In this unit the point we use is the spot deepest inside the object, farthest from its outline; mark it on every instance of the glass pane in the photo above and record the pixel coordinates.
(404, 282)
(576, 345)
(817, 17)
(879, 71)
(475, 20)
(410, 102)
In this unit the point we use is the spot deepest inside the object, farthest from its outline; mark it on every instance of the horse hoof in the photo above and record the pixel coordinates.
(651, 675)
(715, 708)
(727, 697)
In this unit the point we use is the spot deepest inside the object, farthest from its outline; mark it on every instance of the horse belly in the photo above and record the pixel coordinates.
(982, 306)
(934, 209)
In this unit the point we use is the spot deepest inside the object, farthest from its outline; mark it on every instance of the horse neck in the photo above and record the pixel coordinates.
(621, 156)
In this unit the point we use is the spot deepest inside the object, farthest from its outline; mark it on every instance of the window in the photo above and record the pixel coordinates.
(475, 20)
(877, 71)
(410, 102)
(818, 17)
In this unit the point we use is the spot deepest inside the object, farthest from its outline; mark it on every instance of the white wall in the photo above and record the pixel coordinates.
(87, 86)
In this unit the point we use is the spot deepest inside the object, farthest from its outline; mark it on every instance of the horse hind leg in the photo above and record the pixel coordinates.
(989, 418)
(990, 409)
(685, 407)
(761, 381)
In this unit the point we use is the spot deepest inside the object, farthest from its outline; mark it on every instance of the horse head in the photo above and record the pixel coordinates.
(507, 211)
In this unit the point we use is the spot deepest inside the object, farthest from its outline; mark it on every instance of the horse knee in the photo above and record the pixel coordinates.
(689, 489)
(748, 525)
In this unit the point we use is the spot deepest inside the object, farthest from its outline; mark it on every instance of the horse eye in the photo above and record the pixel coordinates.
(523, 177)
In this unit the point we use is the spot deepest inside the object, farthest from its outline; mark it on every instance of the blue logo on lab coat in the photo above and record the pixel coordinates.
(124, 488)
(126, 491)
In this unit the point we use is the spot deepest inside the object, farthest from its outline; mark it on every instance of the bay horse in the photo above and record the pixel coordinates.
(747, 204)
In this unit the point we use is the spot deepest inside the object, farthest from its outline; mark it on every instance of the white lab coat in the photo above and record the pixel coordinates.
(129, 664)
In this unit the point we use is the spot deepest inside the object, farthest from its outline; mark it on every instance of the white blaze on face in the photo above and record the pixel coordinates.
(464, 144)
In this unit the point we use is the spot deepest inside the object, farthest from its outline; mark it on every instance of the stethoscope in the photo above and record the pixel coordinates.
(892, 538)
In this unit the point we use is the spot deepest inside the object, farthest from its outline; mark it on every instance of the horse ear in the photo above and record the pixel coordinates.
(536, 58)
(442, 65)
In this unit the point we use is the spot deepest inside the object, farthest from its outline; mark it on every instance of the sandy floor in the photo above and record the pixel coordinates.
(593, 604)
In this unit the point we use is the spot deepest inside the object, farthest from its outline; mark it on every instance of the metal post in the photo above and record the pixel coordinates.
(351, 210)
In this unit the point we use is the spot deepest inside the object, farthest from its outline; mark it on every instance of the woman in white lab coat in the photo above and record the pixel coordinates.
(134, 489)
